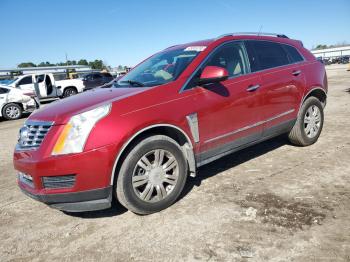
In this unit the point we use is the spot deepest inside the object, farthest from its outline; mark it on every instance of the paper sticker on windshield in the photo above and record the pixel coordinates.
(195, 48)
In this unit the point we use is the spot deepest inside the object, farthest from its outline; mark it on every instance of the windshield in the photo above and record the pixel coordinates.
(159, 69)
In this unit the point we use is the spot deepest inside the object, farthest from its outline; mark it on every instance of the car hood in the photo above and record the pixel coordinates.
(61, 111)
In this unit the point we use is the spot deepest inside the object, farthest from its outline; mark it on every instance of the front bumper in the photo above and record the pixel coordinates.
(90, 190)
(96, 199)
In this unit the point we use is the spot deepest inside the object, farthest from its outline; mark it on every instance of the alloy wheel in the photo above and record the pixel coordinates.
(12, 112)
(312, 121)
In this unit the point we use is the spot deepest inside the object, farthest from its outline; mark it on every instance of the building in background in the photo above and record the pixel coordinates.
(333, 55)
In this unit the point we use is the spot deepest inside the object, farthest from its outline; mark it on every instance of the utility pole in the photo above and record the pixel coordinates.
(67, 71)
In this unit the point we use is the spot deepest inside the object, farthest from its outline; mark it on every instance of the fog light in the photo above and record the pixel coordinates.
(25, 179)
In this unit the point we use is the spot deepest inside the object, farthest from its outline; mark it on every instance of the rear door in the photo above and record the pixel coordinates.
(282, 82)
(227, 112)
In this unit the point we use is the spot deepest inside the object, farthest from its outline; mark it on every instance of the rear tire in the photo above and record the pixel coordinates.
(152, 176)
(308, 126)
(69, 91)
(12, 111)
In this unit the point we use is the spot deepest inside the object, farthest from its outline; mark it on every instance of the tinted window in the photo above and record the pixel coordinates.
(88, 77)
(293, 54)
(230, 57)
(26, 80)
(4, 90)
(97, 76)
(106, 74)
(40, 78)
(264, 55)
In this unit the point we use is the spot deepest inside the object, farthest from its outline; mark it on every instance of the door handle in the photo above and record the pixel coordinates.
(296, 72)
(252, 88)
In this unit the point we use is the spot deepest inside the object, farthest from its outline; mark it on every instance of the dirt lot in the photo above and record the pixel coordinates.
(270, 202)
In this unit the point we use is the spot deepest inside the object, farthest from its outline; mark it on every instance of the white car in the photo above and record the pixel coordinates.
(14, 102)
(47, 86)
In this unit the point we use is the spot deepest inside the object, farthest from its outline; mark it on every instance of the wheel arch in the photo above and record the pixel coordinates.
(172, 131)
(66, 87)
(317, 92)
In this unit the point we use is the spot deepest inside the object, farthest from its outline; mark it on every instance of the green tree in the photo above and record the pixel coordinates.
(321, 47)
(83, 62)
(26, 64)
(97, 64)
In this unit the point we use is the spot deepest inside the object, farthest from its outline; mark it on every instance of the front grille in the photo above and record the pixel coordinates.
(51, 182)
(32, 134)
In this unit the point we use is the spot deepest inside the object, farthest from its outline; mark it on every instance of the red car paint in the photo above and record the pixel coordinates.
(220, 112)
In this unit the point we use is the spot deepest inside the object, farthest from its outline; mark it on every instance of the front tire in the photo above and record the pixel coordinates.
(12, 111)
(308, 126)
(152, 175)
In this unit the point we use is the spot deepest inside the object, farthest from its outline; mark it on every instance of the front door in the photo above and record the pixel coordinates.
(40, 80)
(228, 113)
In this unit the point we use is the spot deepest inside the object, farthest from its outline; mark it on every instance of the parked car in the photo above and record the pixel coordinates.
(15, 102)
(48, 87)
(180, 109)
(96, 79)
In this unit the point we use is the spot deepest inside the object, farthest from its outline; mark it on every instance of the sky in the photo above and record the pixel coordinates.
(126, 32)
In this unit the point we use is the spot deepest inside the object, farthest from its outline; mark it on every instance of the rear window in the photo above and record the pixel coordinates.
(293, 54)
(265, 55)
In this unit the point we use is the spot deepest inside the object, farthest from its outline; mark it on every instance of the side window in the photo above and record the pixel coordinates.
(107, 75)
(40, 78)
(97, 76)
(26, 80)
(265, 55)
(231, 57)
(4, 91)
(293, 54)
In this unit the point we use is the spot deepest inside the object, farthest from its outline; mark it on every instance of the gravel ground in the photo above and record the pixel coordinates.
(270, 202)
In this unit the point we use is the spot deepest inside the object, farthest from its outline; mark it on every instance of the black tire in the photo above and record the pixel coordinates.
(69, 91)
(297, 135)
(124, 188)
(12, 111)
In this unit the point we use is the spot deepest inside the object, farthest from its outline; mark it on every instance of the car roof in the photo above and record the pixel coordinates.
(248, 35)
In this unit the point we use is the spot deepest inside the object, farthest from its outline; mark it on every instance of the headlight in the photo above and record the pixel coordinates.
(75, 133)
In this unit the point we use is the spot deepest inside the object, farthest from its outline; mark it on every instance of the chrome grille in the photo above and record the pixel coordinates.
(51, 182)
(32, 134)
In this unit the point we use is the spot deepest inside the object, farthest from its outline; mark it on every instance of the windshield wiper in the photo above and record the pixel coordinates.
(133, 82)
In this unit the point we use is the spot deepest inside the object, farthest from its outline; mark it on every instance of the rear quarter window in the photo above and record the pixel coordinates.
(293, 54)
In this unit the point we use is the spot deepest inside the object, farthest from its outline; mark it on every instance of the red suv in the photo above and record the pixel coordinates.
(190, 104)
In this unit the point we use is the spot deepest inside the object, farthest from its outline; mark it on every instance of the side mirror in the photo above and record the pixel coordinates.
(213, 74)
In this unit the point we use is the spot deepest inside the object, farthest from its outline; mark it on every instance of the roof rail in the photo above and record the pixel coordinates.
(253, 33)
